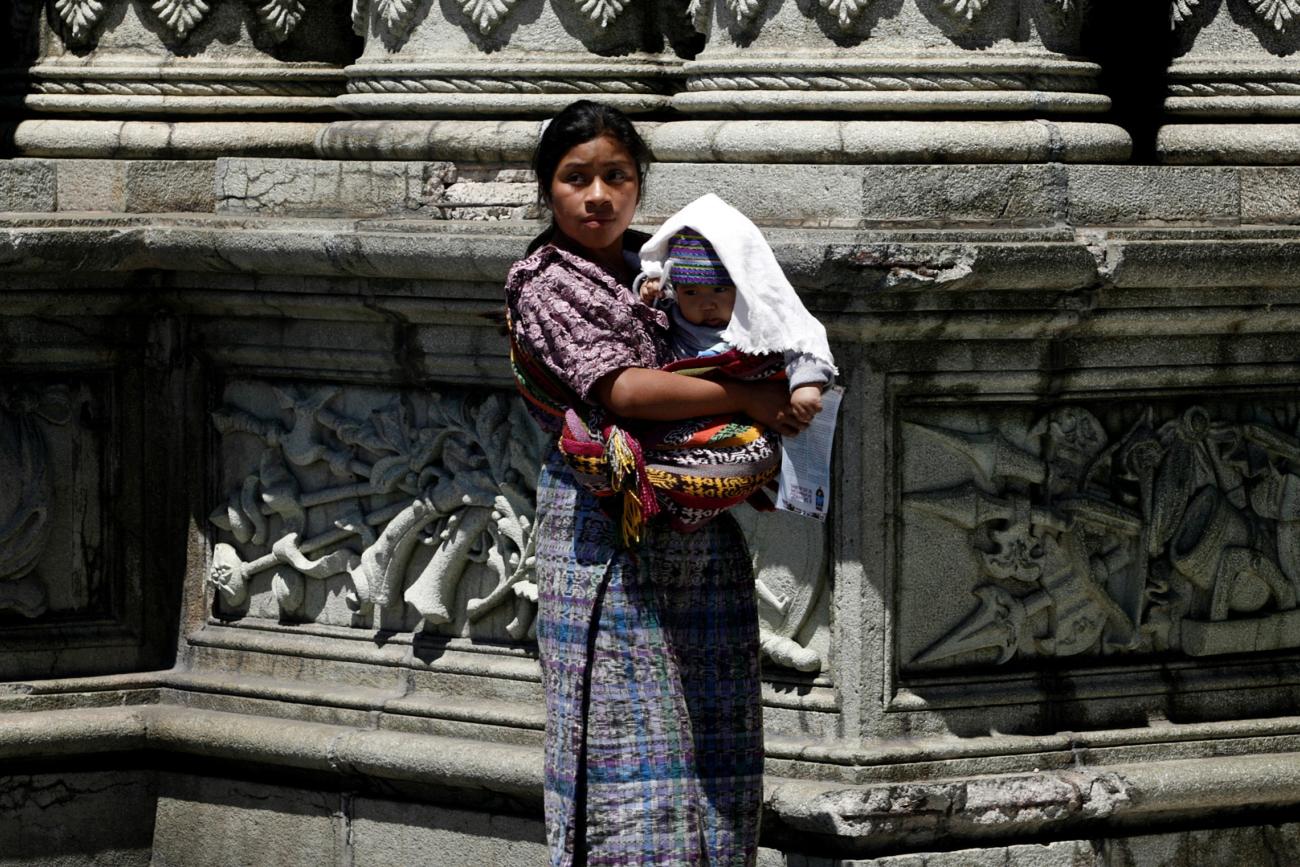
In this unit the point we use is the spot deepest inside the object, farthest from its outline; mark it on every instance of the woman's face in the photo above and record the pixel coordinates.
(594, 193)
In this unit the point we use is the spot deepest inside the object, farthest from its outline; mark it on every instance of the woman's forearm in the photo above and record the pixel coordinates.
(655, 395)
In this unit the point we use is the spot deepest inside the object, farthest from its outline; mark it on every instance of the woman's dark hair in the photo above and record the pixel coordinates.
(581, 122)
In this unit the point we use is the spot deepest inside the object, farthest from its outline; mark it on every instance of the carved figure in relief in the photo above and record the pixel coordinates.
(27, 497)
(1183, 535)
(459, 484)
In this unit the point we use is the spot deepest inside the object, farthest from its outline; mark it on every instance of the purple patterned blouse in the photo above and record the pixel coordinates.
(582, 323)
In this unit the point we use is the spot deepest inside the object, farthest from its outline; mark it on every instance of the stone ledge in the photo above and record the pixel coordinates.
(463, 255)
(433, 195)
(849, 819)
(748, 141)
(166, 140)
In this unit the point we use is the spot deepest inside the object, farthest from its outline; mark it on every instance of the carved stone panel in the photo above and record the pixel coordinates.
(413, 511)
(1088, 531)
(53, 553)
(376, 509)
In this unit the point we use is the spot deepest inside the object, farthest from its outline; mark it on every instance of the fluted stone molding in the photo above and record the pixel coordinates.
(507, 58)
(909, 57)
(184, 57)
(1234, 84)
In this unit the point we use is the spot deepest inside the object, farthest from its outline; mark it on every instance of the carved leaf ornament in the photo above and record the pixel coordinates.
(180, 16)
(744, 10)
(845, 11)
(80, 16)
(967, 8)
(487, 14)
(1277, 12)
(698, 12)
(602, 11)
(396, 15)
(281, 16)
(1181, 11)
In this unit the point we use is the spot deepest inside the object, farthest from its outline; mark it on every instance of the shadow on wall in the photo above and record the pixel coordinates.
(1134, 45)
(17, 54)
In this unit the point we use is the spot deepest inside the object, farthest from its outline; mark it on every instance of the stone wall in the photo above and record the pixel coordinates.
(266, 590)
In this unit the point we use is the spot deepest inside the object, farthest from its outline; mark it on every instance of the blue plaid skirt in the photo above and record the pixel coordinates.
(654, 740)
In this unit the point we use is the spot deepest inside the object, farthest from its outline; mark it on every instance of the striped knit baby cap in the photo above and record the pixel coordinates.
(695, 261)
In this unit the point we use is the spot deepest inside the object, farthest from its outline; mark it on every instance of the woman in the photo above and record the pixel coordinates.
(654, 748)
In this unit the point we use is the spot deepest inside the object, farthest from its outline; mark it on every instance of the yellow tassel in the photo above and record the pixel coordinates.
(633, 519)
(622, 462)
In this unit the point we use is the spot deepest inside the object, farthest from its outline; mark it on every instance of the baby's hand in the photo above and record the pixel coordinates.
(806, 402)
(650, 290)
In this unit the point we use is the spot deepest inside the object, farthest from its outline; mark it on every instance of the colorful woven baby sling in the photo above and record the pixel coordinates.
(691, 470)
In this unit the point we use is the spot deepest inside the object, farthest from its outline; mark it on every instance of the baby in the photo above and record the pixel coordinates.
(705, 299)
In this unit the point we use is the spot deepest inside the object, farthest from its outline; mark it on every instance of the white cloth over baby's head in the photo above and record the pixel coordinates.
(768, 317)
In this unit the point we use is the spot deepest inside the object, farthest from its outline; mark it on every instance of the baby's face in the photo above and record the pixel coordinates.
(706, 304)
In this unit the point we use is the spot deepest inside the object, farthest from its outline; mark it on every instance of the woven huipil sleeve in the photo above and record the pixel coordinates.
(579, 321)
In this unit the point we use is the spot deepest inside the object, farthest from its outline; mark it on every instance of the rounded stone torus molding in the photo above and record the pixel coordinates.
(508, 58)
(1235, 68)
(186, 57)
(1235, 59)
(891, 57)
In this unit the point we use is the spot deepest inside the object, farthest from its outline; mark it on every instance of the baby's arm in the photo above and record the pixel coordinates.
(806, 402)
(808, 377)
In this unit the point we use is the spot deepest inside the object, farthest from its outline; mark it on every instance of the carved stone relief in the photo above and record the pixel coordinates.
(602, 12)
(845, 11)
(744, 11)
(79, 16)
(374, 509)
(1181, 10)
(414, 511)
(1153, 531)
(180, 17)
(49, 507)
(1277, 12)
(487, 14)
(280, 16)
(967, 9)
(790, 572)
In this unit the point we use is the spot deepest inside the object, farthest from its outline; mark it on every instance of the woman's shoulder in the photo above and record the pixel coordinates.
(549, 265)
